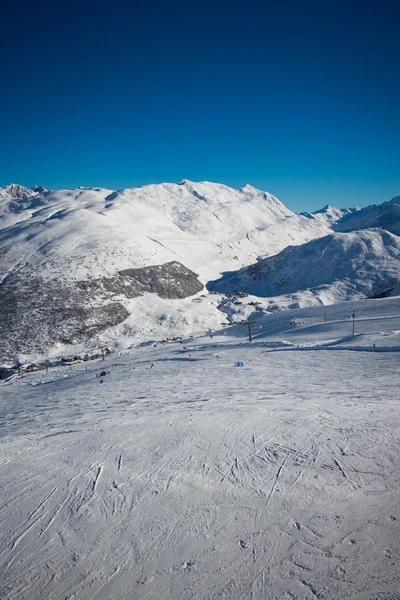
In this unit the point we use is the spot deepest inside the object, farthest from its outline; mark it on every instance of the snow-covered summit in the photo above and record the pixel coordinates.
(15, 191)
(329, 214)
(249, 188)
(39, 189)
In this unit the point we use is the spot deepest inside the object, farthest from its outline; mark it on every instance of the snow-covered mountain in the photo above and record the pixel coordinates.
(65, 256)
(337, 267)
(14, 200)
(18, 192)
(330, 214)
(88, 264)
(93, 232)
(386, 216)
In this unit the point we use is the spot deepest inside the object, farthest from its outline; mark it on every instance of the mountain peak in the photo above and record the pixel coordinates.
(249, 188)
(16, 191)
(328, 209)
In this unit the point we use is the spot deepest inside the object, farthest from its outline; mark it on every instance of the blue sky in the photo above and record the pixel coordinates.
(300, 98)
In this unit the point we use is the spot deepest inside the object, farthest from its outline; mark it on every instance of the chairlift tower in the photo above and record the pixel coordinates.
(250, 324)
(353, 316)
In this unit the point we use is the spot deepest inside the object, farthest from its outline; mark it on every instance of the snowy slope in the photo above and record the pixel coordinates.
(386, 215)
(340, 266)
(182, 476)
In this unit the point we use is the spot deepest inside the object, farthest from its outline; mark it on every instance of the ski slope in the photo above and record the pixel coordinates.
(184, 477)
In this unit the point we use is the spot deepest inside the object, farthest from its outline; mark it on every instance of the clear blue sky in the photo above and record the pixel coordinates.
(300, 98)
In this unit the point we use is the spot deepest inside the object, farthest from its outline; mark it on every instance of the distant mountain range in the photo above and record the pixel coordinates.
(87, 266)
(19, 192)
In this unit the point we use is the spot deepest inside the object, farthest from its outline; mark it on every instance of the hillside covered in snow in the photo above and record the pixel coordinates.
(94, 266)
(337, 267)
(386, 216)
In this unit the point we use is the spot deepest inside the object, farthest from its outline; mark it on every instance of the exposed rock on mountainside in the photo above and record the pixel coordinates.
(35, 313)
(171, 280)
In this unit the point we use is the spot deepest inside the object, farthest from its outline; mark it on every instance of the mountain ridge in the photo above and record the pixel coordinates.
(385, 215)
(208, 227)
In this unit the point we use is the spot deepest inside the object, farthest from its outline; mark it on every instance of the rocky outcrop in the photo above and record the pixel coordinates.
(36, 314)
(171, 280)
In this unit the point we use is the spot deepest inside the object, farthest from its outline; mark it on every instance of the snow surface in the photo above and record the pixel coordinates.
(182, 476)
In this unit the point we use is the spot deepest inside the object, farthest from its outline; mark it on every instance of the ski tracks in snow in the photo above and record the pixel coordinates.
(283, 493)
